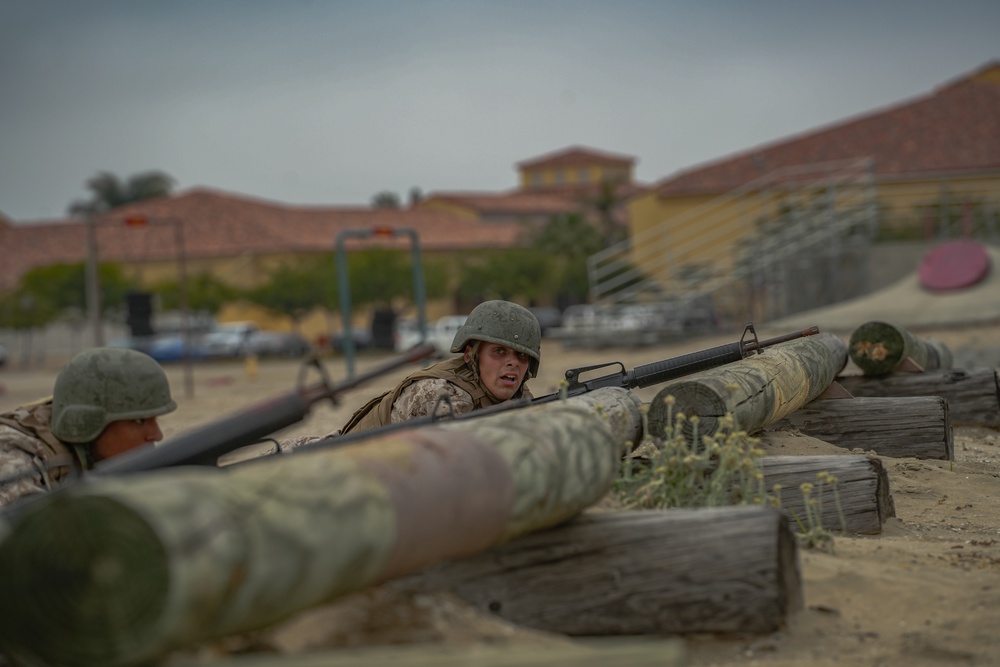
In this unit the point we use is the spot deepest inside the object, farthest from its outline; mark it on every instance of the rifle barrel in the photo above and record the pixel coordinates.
(784, 338)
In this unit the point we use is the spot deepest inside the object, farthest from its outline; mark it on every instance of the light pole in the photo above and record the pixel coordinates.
(178, 225)
(344, 286)
(92, 287)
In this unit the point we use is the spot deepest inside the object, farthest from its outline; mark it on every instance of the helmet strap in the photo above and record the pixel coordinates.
(472, 358)
(84, 454)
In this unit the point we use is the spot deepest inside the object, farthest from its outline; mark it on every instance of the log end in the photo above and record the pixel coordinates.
(877, 347)
(97, 584)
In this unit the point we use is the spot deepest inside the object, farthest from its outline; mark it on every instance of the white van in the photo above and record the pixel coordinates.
(441, 333)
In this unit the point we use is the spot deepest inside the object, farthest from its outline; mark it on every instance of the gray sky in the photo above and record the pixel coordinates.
(329, 102)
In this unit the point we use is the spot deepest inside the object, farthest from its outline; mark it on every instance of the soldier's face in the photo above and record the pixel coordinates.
(126, 434)
(502, 369)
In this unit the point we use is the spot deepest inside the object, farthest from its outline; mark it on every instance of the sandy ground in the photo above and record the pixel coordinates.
(924, 592)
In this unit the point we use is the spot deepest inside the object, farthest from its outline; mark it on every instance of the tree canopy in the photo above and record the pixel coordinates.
(386, 199)
(46, 293)
(109, 191)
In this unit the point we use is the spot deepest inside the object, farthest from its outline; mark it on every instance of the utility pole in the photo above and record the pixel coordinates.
(92, 283)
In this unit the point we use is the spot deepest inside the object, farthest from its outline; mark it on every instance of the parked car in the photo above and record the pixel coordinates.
(444, 332)
(228, 340)
(3, 355)
(277, 343)
(362, 339)
(440, 332)
(406, 335)
(171, 347)
(140, 343)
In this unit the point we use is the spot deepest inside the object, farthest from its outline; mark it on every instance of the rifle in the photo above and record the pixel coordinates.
(645, 375)
(204, 446)
(670, 369)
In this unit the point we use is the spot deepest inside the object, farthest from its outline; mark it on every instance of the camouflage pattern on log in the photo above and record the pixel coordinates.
(117, 571)
(757, 391)
(878, 348)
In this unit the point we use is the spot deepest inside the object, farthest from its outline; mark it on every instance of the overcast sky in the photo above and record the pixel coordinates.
(329, 102)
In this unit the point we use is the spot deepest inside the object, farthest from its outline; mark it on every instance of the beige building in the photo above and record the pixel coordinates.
(919, 169)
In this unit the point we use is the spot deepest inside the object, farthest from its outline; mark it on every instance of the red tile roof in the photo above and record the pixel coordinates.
(219, 224)
(956, 128)
(533, 201)
(576, 156)
(517, 202)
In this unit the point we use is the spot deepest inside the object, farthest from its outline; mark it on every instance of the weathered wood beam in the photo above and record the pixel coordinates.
(862, 488)
(757, 391)
(900, 427)
(639, 653)
(972, 394)
(879, 348)
(727, 570)
(174, 557)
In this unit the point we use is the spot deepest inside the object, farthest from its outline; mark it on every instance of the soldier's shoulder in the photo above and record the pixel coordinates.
(11, 438)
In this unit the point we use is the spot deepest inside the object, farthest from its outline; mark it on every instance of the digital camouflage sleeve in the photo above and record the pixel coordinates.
(416, 400)
(419, 399)
(14, 460)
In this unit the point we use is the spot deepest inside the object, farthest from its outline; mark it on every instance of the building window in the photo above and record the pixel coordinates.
(581, 175)
(560, 176)
(536, 178)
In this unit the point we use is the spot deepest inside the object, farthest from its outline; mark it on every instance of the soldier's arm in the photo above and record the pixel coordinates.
(419, 399)
(23, 473)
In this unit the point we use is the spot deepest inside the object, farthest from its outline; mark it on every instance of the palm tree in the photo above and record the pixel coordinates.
(110, 192)
(385, 199)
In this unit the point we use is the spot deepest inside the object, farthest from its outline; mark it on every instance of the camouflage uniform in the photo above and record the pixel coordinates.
(51, 439)
(453, 380)
(27, 444)
(416, 398)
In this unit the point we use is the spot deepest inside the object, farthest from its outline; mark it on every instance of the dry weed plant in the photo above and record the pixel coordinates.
(812, 533)
(722, 469)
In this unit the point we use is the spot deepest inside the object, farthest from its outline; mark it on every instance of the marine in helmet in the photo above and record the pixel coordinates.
(499, 347)
(105, 401)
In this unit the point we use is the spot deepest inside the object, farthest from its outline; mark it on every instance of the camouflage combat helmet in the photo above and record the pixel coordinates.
(103, 385)
(506, 324)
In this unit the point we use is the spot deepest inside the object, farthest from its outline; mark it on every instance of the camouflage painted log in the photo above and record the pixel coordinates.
(117, 571)
(910, 426)
(649, 572)
(757, 391)
(973, 395)
(879, 348)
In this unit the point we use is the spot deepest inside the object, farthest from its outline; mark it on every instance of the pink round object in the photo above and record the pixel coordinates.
(954, 265)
